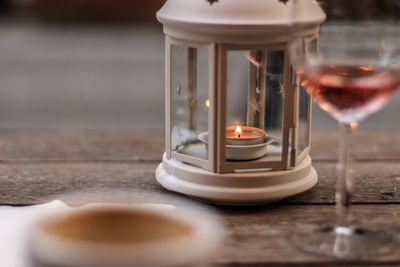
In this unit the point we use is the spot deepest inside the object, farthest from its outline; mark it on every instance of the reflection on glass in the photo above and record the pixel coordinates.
(237, 82)
(189, 100)
(304, 105)
(303, 124)
(274, 97)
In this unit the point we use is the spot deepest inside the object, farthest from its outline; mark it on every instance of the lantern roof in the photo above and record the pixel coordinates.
(202, 15)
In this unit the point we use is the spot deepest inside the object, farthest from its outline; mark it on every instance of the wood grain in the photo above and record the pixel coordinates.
(81, 145)
(374, 182)
(148, 145)
(256, 236)
(38, 166)
(32, 183)
(260, 236)
(367, 144)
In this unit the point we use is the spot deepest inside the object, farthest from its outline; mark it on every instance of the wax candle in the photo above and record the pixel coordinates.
(244, 135)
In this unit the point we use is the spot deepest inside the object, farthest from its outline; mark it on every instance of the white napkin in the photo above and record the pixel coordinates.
(14, 223)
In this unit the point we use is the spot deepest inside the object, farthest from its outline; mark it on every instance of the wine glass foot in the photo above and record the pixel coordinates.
(358, 241)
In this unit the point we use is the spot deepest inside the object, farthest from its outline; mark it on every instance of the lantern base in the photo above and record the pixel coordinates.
(245, 188)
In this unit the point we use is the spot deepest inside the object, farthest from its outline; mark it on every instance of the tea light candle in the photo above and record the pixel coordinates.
(244, 135)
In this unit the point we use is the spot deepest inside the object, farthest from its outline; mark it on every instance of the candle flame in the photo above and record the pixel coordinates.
(207, 104)
(238, 131)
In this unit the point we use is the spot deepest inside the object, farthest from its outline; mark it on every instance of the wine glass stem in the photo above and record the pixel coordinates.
(344, 185)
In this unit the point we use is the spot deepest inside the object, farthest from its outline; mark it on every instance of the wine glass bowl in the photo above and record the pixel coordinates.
(351, 71)
(349, 93)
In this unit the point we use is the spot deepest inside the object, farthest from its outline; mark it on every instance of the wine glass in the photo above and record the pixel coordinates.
(351, 70)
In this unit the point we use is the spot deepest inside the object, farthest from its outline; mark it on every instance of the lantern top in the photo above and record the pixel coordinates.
(202, 15)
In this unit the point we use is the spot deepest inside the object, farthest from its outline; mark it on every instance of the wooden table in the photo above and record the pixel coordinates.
(40, 165)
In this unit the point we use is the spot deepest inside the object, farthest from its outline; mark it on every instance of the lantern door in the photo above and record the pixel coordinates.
(190, 102)
(303, 129)
(255, 95)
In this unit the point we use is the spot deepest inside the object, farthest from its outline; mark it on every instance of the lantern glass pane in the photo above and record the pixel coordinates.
(254, 106)
(304, 120)
(237, 82)
(274, 100)
(189, 100)
(304, 106)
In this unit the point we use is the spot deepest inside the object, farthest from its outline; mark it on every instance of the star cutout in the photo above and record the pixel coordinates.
(255, 106)
(212, 2)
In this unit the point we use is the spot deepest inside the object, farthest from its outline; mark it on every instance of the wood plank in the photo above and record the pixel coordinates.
(374, 182)
(25, 184)
(256, 236)
(148, 145)
(33, 183)
(367, 144)
(259, 236)
(90, 145)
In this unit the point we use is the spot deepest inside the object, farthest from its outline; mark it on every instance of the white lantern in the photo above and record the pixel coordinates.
(237, 121)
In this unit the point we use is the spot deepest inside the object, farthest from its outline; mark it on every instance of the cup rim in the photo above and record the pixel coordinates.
(202, 240)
